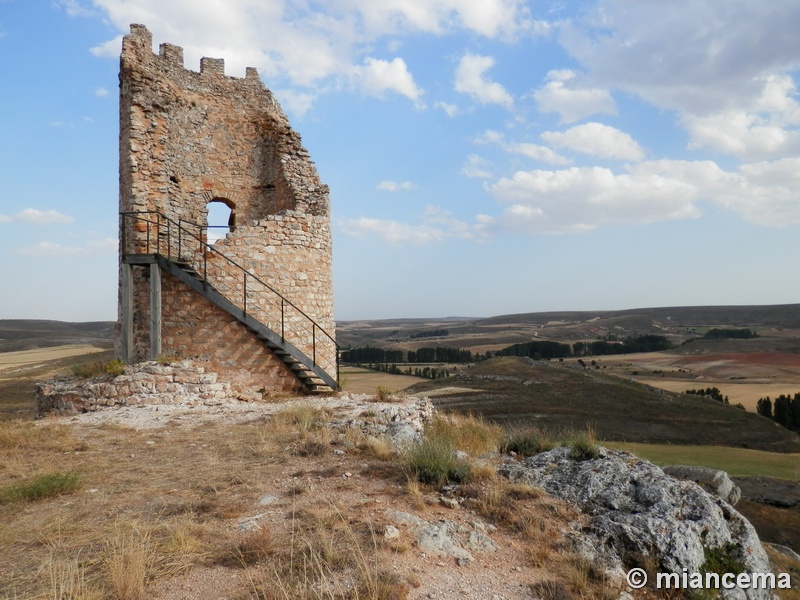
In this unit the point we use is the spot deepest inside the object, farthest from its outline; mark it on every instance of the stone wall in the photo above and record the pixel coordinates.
(189, 138)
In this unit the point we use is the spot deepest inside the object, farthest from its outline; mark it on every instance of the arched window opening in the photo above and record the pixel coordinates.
(221, 219)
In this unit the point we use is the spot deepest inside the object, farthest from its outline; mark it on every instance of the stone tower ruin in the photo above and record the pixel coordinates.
(254, 300)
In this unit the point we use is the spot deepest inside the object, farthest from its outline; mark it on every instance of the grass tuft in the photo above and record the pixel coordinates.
(527, 442)
(467, 433)
(432, 461)
(583, 444)
(46, 485)
(328, 558)
(383, 394)
(129, 557)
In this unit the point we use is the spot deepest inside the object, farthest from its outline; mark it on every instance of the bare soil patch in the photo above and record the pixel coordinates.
(366, 381)
(14, 362)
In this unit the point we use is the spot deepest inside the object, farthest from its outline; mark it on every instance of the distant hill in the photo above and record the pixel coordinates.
(518, 392)
(479, 334)
(27, 334)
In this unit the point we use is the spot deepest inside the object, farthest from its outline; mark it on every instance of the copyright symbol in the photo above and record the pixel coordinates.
(637, 578)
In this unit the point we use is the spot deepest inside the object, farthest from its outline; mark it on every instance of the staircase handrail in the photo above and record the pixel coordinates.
(205, 247)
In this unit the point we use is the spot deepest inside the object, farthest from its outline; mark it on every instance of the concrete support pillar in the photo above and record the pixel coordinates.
(155, 311)
(126, 291)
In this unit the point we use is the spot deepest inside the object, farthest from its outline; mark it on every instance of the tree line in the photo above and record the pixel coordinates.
(426, 372)
(730, 334)
(712, 392)
(784, 410)
(548, 349)
(442, 354)
(538, 349)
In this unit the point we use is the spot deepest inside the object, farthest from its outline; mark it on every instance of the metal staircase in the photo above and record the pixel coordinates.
(180, 249)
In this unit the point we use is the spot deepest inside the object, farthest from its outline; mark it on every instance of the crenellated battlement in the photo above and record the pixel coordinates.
(171, 56)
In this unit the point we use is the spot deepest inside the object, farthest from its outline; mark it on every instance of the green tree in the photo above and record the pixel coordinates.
(764, 407)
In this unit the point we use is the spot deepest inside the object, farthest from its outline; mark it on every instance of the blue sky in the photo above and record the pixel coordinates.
(484, 156)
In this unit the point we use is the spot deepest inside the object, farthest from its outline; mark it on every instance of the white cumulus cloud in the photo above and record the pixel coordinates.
(561, 94)
(596, 140)
(538, 153)
(768, 129)
(471, 80)
(584, 198)
(695, 56)
(476, 167)
(303, 44)
(377, 76)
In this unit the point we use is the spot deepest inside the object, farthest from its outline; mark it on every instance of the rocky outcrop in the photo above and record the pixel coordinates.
(782, 493)
(401, 423)
(445, 538)
(634, 512)
(715, 481)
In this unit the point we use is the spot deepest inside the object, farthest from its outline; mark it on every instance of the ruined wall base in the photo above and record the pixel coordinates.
(143, 384)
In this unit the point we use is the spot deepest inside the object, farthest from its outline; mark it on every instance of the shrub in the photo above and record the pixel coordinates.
(89, 370)
(722, 559)
(115, 368)
(97, 368)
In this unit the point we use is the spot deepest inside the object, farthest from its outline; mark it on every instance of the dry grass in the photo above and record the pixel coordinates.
(129, 559)
(450, 448)
(538, 520)
(68, 579)
(784, 564)
(155, 504)
(26, 358)
(326, 558)
(466, 433)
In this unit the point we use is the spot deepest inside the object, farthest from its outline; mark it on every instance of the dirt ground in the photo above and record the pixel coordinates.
(213, 480)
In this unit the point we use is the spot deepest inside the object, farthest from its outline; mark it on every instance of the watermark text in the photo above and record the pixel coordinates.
(685, 580)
